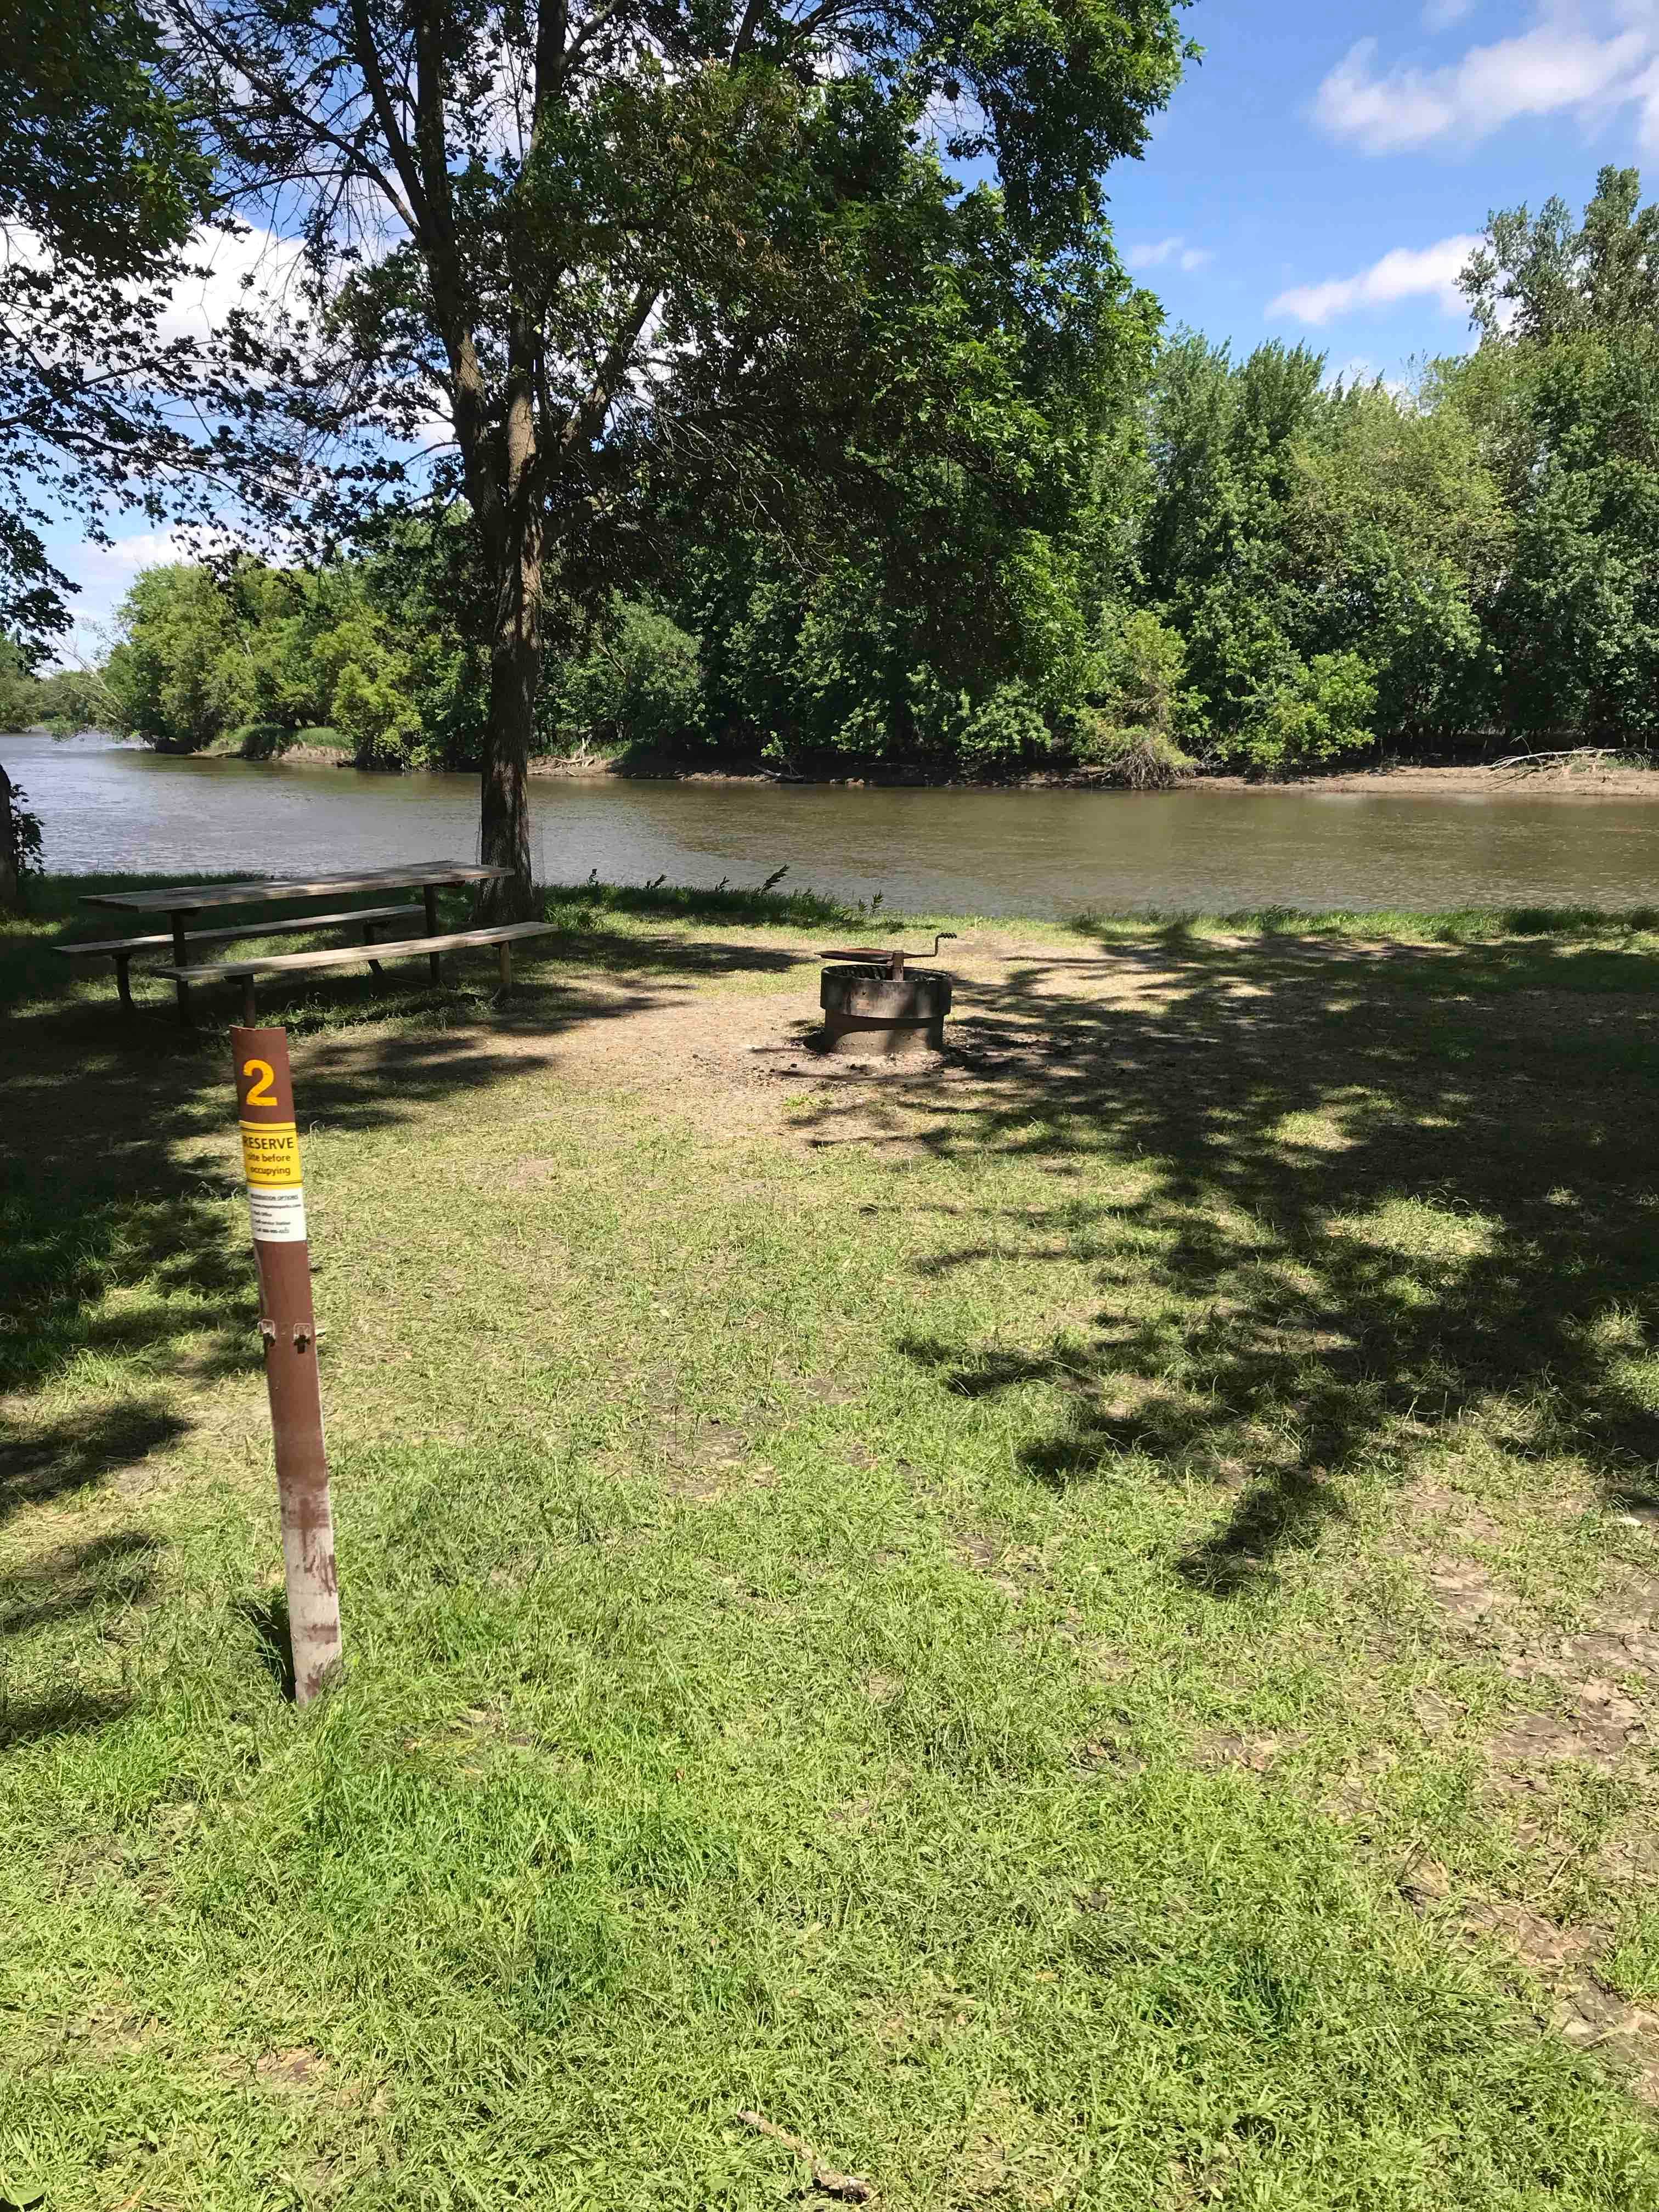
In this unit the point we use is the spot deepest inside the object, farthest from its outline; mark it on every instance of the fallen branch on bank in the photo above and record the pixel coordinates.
(1524, 763)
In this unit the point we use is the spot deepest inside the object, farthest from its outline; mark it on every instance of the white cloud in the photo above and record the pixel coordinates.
(1441, 14)
(254, 269)
(1400, 274)
(1165, 252)
(105, 574)
(120, 561)
(1584, 60)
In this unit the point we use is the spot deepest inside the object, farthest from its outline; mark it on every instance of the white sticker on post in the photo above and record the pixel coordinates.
(279, 1216)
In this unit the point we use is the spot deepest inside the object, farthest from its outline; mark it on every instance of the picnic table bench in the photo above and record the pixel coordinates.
(183, 902)
(121, 949)
(502, 935)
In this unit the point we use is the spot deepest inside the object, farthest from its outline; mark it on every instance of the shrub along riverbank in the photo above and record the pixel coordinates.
(1076, 1630)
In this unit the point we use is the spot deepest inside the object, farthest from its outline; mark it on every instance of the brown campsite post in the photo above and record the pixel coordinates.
(276, 1201)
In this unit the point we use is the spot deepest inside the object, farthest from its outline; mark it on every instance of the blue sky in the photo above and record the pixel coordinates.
(1321, 173)
(1318, 172)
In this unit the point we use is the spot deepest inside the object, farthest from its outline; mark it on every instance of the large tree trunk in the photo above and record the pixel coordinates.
(515, 676)
(11, 874)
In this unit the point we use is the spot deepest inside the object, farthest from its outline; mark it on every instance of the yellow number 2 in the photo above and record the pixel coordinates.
(261, 1094)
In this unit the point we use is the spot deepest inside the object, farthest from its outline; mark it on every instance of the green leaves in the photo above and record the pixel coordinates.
(669, 264)
(1536, 278)
(370, 648)
(1564, 390)
(103, 178)
(101, 166)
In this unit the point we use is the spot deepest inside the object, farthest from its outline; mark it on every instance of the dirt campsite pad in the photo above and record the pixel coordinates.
(1075, 1626)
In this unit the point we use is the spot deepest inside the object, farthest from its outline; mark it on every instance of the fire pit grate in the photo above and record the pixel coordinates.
(892, 958)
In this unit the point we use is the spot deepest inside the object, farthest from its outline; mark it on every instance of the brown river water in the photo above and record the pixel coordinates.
(1050, 853)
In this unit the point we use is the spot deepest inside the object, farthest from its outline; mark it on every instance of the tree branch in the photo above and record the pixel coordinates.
(368, 64)
(586, 33)
(552, 24)
(747, 27)
(587, 416)
(285, 105)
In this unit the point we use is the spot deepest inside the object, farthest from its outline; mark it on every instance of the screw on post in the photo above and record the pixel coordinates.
(288, 1333)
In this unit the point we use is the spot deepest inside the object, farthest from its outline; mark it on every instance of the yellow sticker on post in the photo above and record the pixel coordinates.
(271, 1155)
(271, 1160)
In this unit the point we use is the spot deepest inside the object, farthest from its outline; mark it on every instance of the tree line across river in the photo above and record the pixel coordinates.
(1257, 570)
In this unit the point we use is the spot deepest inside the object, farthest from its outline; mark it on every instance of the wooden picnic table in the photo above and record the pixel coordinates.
(179, 902)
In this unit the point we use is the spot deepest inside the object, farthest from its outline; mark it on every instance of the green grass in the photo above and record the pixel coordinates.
(1473, 924)
(270, 740)
(987, 1620)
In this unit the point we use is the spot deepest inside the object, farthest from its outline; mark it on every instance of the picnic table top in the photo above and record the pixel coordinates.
(196, 898)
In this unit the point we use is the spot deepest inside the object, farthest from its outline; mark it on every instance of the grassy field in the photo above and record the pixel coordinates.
(1076, 1630)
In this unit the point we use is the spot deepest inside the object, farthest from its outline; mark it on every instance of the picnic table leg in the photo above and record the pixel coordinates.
(123, 980)
(429, 898)
(504, 954)
(374, 967)
(250, 1011)
(181, 959)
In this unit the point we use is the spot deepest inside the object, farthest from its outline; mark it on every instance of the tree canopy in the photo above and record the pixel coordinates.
(1538, 278)
(659, 258)
(103, 183)
(763, 386)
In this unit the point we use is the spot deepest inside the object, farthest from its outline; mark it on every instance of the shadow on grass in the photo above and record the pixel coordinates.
(102, 1575)
(1355, 1195)
(273, 1637)
(40, 1462)
(127, 1266)
(58, 1712)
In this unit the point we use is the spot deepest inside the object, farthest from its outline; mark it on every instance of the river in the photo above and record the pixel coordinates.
(108, 807)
